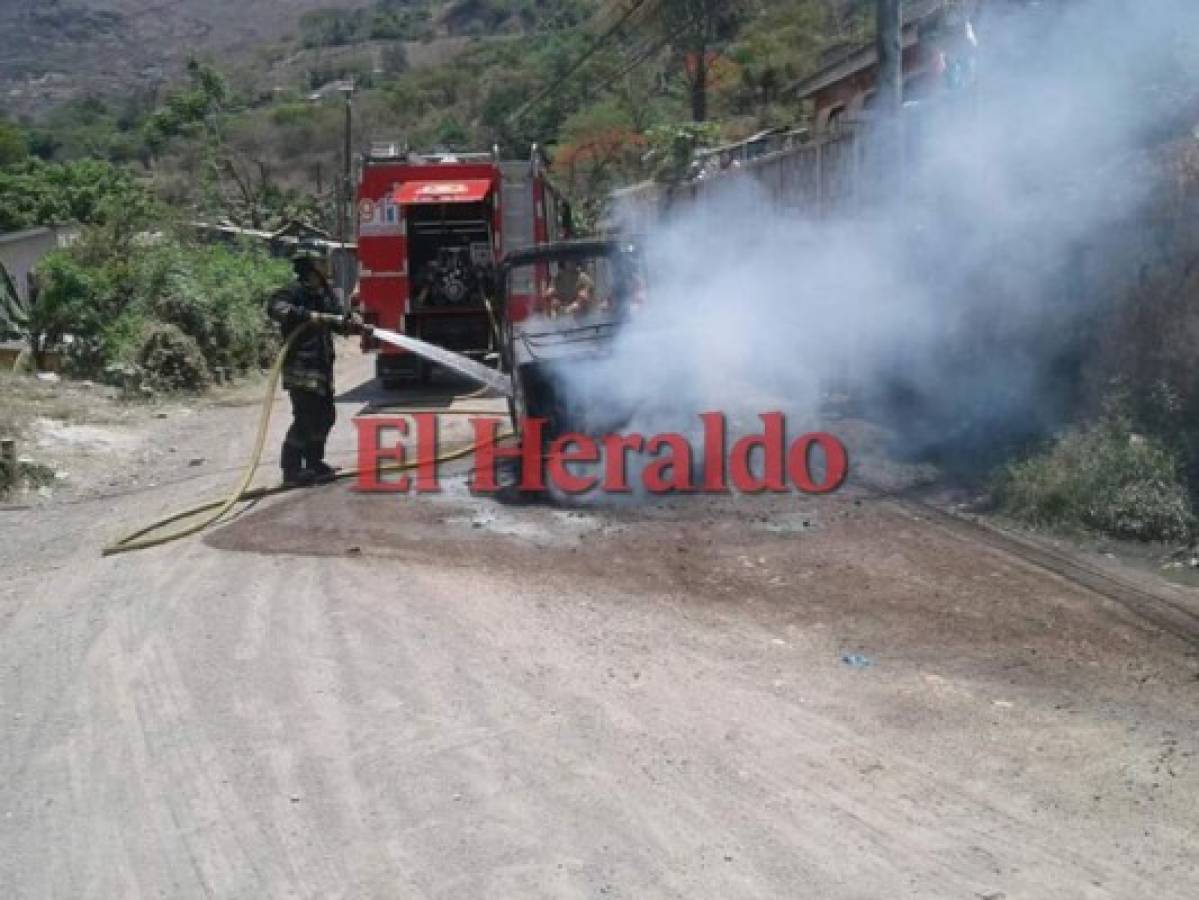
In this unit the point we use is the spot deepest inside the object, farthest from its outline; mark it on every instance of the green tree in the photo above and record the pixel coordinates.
(189, 111)
(599, 148)
(697, 29)
(13, 145)
(672, 147)
(451, 134)
(68, 299)
(88, 191)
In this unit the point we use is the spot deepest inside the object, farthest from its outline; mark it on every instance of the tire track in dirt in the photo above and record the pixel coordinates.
(223, 843)
(59, 755)
(1165, 613)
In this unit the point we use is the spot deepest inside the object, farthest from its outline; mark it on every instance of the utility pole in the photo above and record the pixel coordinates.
(345, 193)
(890, 57)
(889, 97)
(347, 188)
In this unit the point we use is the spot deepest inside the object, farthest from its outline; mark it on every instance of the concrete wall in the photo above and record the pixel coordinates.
(21, 251)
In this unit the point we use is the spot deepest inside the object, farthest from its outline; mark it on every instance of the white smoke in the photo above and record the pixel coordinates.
(965, 297)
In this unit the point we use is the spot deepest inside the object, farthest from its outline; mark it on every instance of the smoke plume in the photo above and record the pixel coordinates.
(958, 313)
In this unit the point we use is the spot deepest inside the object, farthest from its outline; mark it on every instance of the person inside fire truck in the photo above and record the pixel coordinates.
(572, 292)
(309, 303)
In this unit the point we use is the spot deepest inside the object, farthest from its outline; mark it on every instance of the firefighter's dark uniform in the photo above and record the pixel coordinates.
(307, 375)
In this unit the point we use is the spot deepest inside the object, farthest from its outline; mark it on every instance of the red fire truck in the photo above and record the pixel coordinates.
(432, 229)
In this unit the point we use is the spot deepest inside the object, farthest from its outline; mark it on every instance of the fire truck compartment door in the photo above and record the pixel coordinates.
(467, 190)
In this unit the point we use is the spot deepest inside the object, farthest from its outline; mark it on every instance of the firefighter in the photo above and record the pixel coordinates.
(308, 368)
(572, 291)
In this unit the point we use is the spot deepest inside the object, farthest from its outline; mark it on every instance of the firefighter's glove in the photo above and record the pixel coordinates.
(351, 323)
(324, 319)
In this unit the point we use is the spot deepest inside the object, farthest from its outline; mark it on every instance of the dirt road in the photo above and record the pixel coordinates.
(341, 695)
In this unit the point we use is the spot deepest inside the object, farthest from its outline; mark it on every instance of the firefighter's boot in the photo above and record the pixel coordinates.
(320, 471)
(291, 460)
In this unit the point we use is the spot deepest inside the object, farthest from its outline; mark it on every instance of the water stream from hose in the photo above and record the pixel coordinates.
(463, 365)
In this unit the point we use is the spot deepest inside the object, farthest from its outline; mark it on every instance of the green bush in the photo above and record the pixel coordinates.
(1102, 477)
(218, 297)
(106, 296)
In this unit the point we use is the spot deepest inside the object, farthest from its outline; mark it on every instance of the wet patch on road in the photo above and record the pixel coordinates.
(457, 528)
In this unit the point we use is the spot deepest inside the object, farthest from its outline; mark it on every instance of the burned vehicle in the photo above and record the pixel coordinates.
(565, 303)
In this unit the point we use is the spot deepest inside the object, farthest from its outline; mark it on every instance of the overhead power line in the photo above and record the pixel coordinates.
(649, 50)
(583, 59)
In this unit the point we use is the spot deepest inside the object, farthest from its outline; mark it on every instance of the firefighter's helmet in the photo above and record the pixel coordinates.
(307, 250)
(306, 256)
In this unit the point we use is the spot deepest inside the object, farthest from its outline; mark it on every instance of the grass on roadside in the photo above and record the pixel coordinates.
(73, 402)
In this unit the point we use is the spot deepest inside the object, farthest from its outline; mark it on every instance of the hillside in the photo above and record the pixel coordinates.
(232, 109)
(58, 49)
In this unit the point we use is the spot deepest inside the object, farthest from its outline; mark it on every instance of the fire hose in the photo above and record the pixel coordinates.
(215, 510)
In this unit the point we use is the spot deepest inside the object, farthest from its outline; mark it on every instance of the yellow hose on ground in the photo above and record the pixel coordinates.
(139, 539)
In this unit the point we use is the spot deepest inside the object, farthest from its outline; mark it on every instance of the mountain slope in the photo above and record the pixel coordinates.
(57, 49)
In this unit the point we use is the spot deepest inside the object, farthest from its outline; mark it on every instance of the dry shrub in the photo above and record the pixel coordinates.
(1146, 341)
(1105, 478)
(171, 360)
